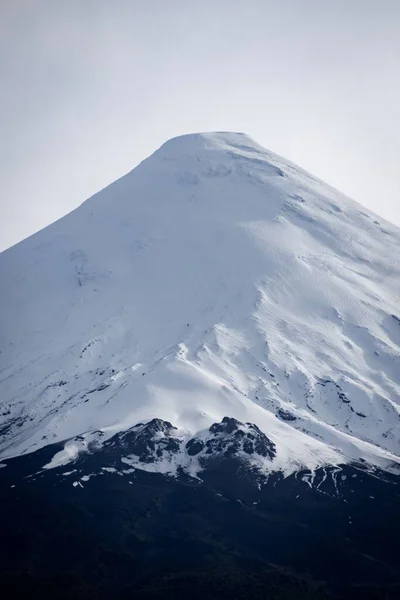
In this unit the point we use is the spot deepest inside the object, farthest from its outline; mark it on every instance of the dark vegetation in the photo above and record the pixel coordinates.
(139, 535)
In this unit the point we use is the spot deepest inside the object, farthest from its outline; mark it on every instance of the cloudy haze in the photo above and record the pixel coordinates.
(91, 87)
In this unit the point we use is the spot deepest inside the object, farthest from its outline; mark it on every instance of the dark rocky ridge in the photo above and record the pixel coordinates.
(156, 441)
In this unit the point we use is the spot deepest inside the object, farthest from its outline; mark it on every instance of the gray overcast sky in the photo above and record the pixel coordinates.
(91, 87)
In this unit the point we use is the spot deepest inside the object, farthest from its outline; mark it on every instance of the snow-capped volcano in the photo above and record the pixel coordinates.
(214, 280)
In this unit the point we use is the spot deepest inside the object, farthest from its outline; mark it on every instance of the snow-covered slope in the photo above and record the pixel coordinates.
(216, 279)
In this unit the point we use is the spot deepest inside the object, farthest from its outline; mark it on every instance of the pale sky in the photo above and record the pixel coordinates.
(89, 88)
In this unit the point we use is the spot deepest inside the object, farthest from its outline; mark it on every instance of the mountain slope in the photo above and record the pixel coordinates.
(214, 279)
(102, 530)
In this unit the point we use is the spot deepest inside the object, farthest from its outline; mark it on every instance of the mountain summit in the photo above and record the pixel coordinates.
(216, 283)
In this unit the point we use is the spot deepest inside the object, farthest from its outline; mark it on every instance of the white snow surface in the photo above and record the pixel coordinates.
(214, 279)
